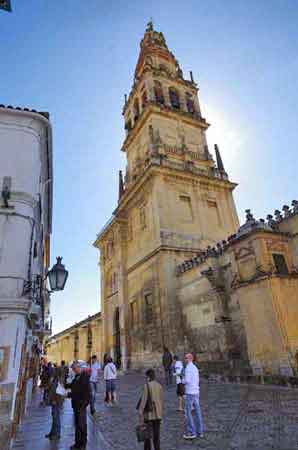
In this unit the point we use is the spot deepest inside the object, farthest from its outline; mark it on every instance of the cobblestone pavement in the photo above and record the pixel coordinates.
(237, 417)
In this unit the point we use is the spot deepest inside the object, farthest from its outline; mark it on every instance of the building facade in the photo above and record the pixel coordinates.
(173, 201)
(236, 305)
(80, 341)
(25, 228)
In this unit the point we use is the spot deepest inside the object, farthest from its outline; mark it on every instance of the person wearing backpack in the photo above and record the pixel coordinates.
(150, 409)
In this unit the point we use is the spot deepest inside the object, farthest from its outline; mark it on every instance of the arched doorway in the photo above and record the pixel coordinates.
(117, 338)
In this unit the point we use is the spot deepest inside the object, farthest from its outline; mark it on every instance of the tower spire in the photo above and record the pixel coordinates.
(219, 162)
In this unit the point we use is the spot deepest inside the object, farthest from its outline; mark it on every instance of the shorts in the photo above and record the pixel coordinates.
(180, 390)
(111, 386)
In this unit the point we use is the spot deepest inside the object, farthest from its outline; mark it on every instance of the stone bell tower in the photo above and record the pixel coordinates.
(173, 201)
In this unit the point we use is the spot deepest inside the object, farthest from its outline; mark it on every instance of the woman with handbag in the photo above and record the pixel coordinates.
(150, 409)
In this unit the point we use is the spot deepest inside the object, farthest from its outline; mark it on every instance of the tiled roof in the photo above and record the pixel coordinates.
(18, 108)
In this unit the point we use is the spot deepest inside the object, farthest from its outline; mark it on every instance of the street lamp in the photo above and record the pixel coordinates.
(57, 276)
(6, 5)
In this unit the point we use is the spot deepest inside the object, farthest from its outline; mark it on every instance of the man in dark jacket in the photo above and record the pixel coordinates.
(80, 399)
(167, 361)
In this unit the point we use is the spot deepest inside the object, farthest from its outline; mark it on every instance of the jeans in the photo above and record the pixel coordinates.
(80, 416)
(93, 387)
(194, 427)
(156, 436)
(168, 374)
(56, 423)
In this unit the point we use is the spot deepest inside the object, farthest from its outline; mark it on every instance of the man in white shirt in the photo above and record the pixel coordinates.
(192, 400)
(178, 373)
(94, 375)
(110, 376)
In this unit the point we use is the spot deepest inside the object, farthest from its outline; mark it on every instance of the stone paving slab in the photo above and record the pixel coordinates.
(237, 417)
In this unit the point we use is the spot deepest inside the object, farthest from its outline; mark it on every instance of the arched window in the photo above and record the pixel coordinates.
(144, 99)
(174, 98)
(136, 109)
(190, 103)
(158, 93)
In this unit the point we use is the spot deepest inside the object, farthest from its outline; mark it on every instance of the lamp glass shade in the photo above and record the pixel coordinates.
(57, 276)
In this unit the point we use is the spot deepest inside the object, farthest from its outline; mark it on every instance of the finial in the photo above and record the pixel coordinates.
(219, 162)
(295, 206)
(125, 99)
(249, 215)
(206, 152)
(121, 185)
(286, 210)
(191, 76)
(270, 220)
(150, 25)
(278, 216)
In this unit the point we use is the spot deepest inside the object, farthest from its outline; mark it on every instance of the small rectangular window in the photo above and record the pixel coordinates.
(213, 212)
(185, 208)
(280, 264)
(149, 307)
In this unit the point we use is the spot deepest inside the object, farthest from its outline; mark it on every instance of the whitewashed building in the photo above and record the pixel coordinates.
(26, 180)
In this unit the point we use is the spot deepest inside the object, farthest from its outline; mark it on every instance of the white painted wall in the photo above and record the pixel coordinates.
(26, 157)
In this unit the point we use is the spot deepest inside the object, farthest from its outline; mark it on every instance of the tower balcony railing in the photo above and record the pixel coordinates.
(160, 160)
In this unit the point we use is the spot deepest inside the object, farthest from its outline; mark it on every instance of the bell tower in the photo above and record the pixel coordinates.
(174, 200)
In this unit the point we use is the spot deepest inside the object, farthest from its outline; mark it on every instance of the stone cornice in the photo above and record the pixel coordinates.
(72, 328)
(18, 305)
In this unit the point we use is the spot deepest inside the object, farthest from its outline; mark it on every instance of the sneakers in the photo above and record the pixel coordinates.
(189, 436)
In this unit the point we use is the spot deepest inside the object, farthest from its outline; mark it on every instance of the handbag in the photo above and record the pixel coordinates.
(60, 390)
(144, 432)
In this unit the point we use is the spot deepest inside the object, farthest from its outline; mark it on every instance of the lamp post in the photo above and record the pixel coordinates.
(57, 276)
(6, 5)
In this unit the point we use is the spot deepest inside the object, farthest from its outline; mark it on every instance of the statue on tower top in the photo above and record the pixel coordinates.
(150, 25)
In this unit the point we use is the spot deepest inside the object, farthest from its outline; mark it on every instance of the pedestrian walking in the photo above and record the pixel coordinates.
(167, 361)
(80, 398)
(45, 377)
(94, 376)
(64, 372)
(55, 401)
(110, 376)
(178, 373)
(195, 428)
(150, 409)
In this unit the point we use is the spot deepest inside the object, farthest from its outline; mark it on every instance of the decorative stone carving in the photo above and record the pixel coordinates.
(244, 252)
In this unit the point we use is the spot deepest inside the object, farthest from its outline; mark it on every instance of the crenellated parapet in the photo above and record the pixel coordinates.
(250, 226)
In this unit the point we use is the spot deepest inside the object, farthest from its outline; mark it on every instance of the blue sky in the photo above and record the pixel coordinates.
(76, 60)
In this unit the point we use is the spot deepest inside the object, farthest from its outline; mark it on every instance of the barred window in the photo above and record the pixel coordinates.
(280, 264)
